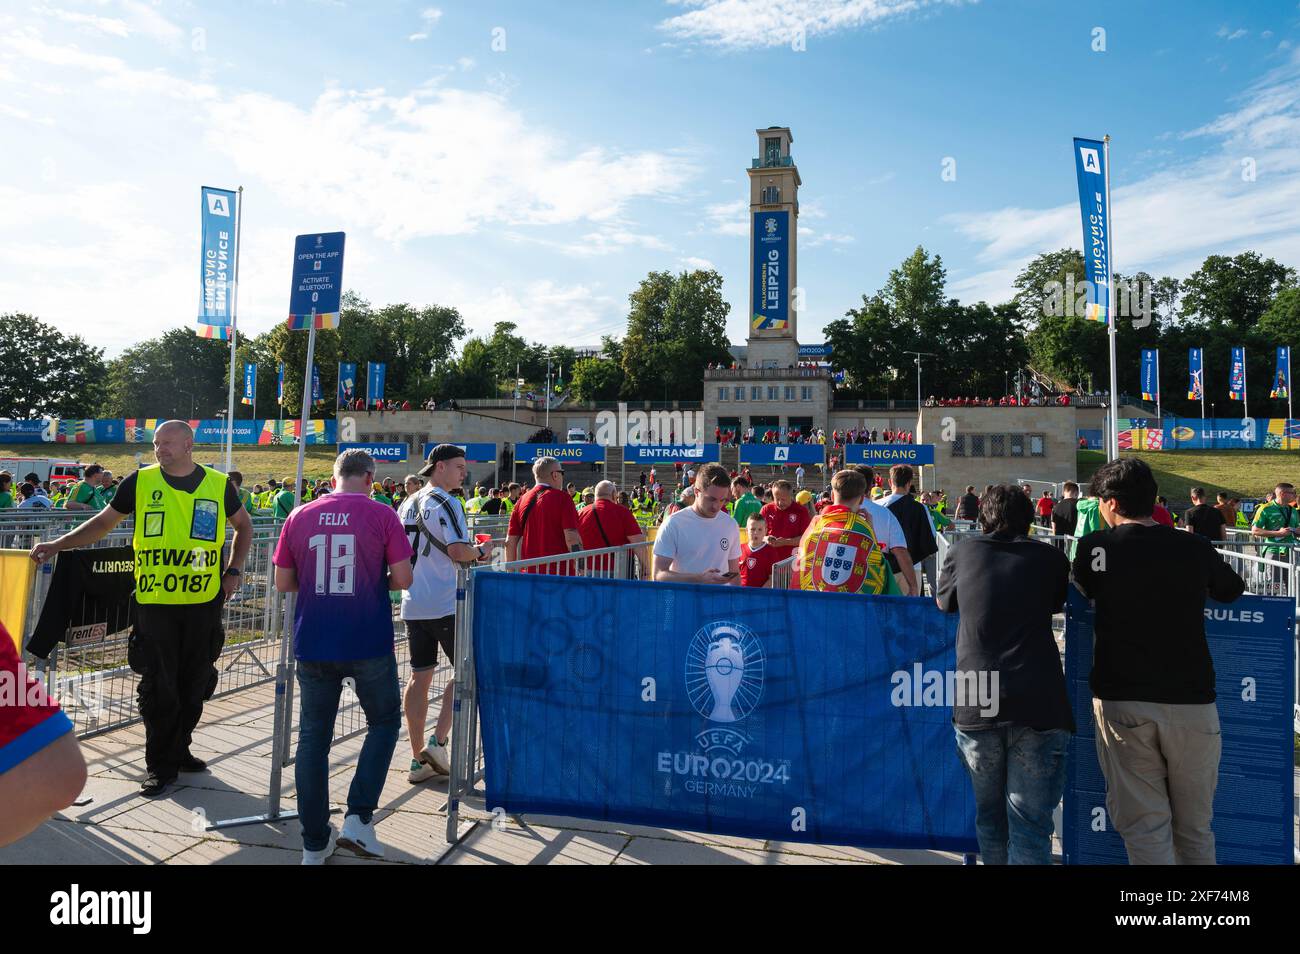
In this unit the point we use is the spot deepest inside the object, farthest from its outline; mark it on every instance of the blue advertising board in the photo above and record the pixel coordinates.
(219, 208)
(387, 453)
(671, 453)
(767, 455)
(771, 271)
(116, 430)
(317, 280)
(886, 455)
(565, 453)
(475, 453)
(719, 709)
(1252, 643)
(1213, 433)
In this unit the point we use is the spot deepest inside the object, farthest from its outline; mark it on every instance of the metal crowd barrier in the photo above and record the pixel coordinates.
(615, 563)
(96, 687)
(782, 573)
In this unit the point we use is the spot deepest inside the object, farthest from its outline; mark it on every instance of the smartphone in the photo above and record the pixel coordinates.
(730, 576)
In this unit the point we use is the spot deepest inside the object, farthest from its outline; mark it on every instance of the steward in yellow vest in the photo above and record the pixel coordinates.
(181, 511)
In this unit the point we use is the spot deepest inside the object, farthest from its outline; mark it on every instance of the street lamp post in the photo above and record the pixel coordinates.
(919, 416)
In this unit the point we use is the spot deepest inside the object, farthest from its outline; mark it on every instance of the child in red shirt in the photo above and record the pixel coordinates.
(756, 557)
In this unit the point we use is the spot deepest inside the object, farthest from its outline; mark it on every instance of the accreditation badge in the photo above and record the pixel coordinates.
(204, 524)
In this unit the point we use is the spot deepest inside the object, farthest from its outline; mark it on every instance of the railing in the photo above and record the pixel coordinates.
(782, 574)
(771, 162)
(742, 374)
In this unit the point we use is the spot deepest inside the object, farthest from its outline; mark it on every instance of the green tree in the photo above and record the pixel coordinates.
(44, 373)
(1232, 293)
(1046, 276)
(676, 326)
(176, 375)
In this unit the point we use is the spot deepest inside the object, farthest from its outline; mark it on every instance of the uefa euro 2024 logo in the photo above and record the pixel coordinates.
(770, 226)
(724, 680)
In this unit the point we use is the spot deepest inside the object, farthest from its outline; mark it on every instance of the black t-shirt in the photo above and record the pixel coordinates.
(1007, 590)
(1205, 520)
(124, 500)
(1065, 515)
(968, 507)
(492, 506)
(1149, 635)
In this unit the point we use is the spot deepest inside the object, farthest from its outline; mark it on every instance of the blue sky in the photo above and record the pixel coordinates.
(531, 161)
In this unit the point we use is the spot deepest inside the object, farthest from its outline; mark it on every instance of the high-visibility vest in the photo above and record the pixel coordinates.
(178, 538)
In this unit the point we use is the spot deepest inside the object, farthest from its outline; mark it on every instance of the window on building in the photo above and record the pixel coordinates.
(1017, 445)
(723, 393)
(997, 445)
(805, 394)
(772, 150)
(1037, 445)
(755, 393)
(773, 392)
(959, 445)
(740, 393)
(976, 445)
(789, 392)
(772, 195)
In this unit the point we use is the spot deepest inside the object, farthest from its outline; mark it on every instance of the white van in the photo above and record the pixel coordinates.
(57, 471)
(577, 436)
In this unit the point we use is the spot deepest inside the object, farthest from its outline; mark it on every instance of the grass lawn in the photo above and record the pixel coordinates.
(1245, 473)
(256, 462)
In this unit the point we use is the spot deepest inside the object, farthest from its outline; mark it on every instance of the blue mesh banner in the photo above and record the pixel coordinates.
(763, 713)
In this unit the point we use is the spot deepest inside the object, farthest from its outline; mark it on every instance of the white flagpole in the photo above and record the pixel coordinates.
(1112, 451)
(306, 409)
(1202, 396)
(234, 330)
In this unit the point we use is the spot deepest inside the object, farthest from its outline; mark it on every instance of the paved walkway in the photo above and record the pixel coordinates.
(114, 824)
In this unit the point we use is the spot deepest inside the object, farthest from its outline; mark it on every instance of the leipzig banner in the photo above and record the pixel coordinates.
(720, 709)
(250, 383)
(219, 209)
(347, 383)
(1090, 165)
(376, 371)
(1282, 375)
(1237, 381)
(771, 270)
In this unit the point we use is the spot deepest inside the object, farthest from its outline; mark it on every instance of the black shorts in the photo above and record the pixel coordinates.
(425, 636)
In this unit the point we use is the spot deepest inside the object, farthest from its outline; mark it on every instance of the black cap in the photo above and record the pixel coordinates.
(439, 453)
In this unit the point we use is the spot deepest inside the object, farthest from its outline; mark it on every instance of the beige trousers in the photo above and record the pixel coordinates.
(1161, 764)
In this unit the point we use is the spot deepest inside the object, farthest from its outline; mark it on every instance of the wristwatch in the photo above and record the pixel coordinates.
(232, 571)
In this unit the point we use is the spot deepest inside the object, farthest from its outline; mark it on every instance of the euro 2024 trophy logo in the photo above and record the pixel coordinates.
(724, 680)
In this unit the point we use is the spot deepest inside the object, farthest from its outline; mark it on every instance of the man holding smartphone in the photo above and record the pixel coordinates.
(701, 543)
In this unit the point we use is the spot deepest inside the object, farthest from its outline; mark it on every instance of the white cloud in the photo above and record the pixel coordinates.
(417, 37)
(745, 24)
(727, 218)
(702, 264)
(1166, 222)
(110, 25)
(560, 313)
(431, 15)
(1230, 35)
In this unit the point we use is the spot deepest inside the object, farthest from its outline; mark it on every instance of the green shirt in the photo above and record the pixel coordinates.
(746, 505)
(1275, 516)
(88, 495)
(384, 499)
(283, 503)
(6, 499)
(1088, 520)
(247, 498)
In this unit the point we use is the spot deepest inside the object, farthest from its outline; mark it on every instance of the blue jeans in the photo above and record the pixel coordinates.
(321, 684)
(1018, 775)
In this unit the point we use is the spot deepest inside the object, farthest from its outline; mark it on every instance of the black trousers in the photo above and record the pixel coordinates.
(173, 648)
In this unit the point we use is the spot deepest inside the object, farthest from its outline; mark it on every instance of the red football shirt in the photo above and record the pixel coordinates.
(549, 513)
(606, 524)
(756, 565)
(791, 522)
(1161, 516)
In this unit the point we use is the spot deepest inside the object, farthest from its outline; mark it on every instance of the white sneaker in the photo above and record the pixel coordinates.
(438, 756)
(420, 772)
(318, 857)
(360, 837)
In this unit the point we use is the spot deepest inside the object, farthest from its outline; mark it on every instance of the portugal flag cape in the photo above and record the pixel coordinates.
(839, 554)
